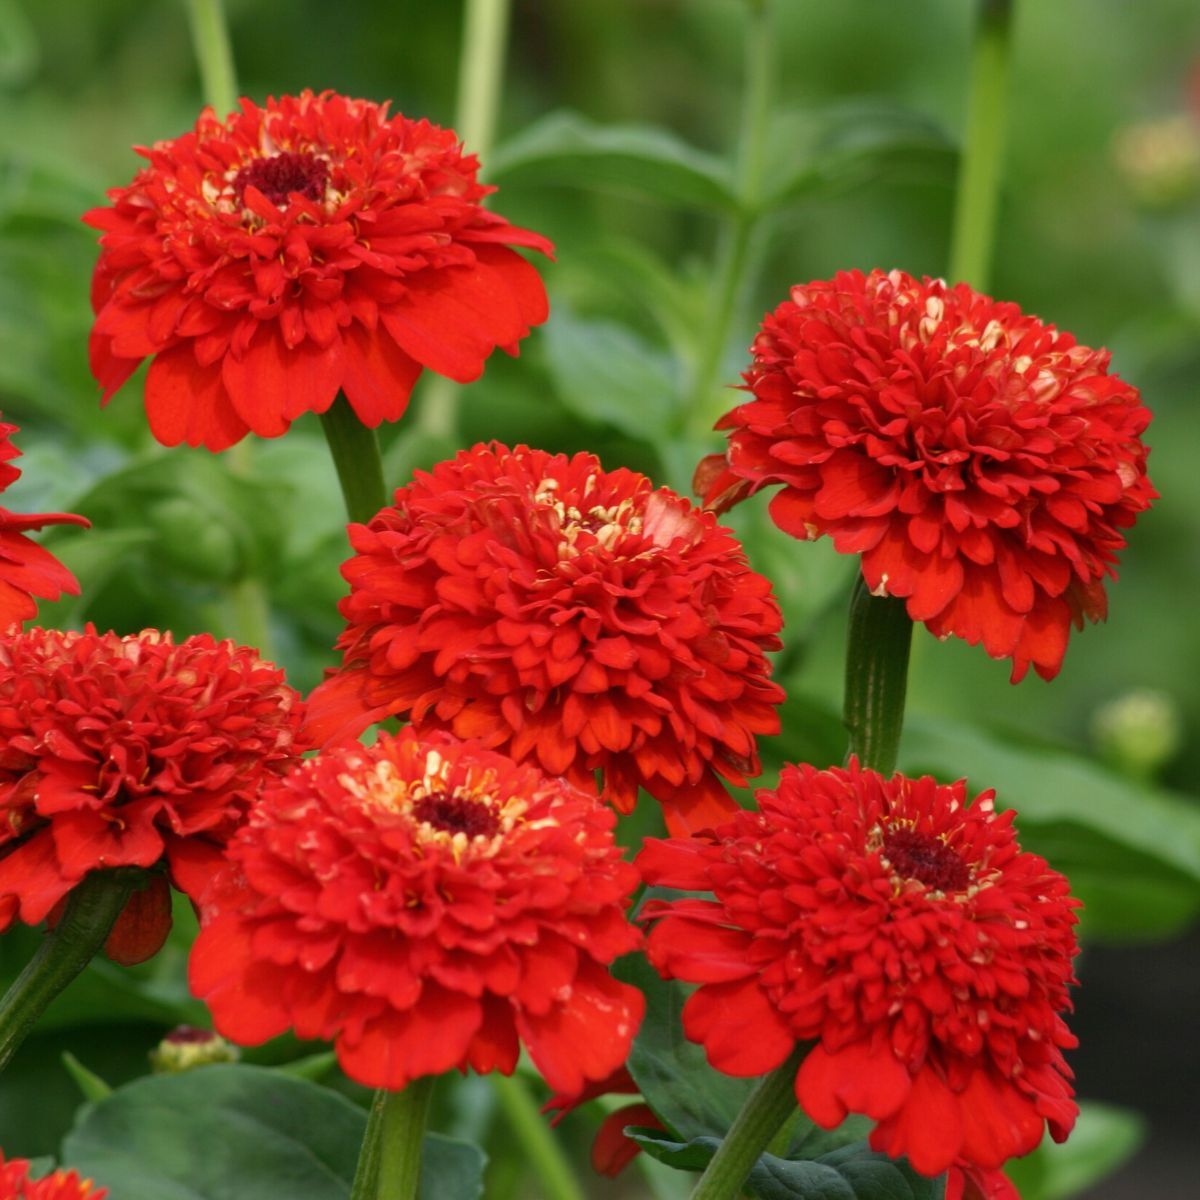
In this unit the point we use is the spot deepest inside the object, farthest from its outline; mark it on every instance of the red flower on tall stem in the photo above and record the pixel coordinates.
(427, 905)
(982, 462)
(15, 1183)
(128, 751)
(313, 244)
(566, 615)
(26, 570)
(902, 931)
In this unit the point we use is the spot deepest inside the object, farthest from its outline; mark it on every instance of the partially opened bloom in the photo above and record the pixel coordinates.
(902, 931)
(128, 751)
(567, 615)
(15, 1183)
(26, 570)
(983, 463)
(426, 905)
(309, 245)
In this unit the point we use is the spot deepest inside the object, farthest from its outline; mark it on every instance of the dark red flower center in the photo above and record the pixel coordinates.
(188, 1035)
(923, 857)
(456, 814)
(282, 174)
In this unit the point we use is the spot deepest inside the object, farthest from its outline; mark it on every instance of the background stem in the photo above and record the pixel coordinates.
(210, 37)
(763, 1115)
(537, 1142)
(480, 79)
(983, 147)
(94, 905)
(355, 452)
(733, 252)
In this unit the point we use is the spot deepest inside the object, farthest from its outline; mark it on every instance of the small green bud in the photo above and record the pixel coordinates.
(186, 1047)
(1139, 732)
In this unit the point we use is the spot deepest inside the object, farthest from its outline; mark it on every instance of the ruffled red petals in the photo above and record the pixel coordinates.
(569, 616)
(364, 903)
(120, 751)
(15, 1183)
(906, 934)
(983, 464)
(26, 570)
(311, 245)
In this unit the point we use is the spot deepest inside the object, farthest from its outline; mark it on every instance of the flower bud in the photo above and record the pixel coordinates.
(186, 1047)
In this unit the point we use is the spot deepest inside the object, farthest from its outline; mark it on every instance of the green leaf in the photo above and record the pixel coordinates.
(1104, 1138)
(605, 372)
(1132, 852)
(850, 144)
(242, 1133)
(89, 1083)
(638, 160)
(852, 1172)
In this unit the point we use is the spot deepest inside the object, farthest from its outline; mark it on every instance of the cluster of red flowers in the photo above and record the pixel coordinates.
(15, 1184)
(26, 570)
(426, 904)
(123, 751)
(902, 931)
(982, 463)
(566, 615)
(268, 260)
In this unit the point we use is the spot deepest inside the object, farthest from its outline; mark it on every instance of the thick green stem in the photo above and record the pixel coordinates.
(538, 1145)
(737, 237)
(878, 644)
(983, 146)
(770, 1106)
(480, 78)
(389, 1163)
(210, 37)
(93, 907)
(355, 451)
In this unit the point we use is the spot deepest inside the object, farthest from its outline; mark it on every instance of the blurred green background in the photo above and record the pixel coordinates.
(1099, 233)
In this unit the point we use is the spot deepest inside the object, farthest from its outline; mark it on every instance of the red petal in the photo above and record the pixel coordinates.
(927, 1129)
(740, 1030)
(143, 925)
(377, 375)
(186, 402)
(270, 385)
(856, 1079)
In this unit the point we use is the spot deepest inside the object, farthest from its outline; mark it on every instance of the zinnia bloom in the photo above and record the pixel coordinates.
(566, 615)
(982, 463)
(903, 932)
(268, 260)
(15, 1184)
(425, 904)
(120, 751)
(26, 570)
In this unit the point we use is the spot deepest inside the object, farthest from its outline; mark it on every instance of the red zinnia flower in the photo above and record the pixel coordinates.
(26, 570)
(15, 1184)
(116, 751)
(316, 244)
(982, 462)
(563, 614)
(424, 903)
(905, 933)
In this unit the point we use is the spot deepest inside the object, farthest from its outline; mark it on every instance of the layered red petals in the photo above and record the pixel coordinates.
(125, 751)
(309, 246)
(15, 1183)
(569, 616)
(905, 933)
(426, 905)
(983, 464)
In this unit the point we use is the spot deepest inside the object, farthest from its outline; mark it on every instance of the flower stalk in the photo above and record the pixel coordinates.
(480, 80)
(764, 1114)
(355, 452)
(93, 907)
(537, 1143)
(983, 146)
(737, 237)
(389, 1163)
(877, 651)
(210, 38)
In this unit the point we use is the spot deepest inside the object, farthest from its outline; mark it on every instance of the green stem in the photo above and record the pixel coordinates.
(210, 37)
(389, 1164)
(738, 235)
(93, 907)
(535, 1140)
(877, 649)
(769, 1107)
(480, 78)
(983, 146)
(355, 451)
